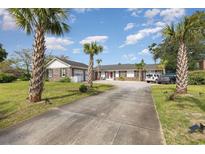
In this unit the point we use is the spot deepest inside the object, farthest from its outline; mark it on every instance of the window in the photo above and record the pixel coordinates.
(63, 72)
(136, 73)
(123, 73)
(50, 73)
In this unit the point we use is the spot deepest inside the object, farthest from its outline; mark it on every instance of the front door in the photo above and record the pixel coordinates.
(110, 75)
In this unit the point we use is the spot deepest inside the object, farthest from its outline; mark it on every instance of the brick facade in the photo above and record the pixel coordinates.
(56, 74)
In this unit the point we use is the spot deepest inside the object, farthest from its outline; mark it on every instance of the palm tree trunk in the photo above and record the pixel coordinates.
(36, 82)
(182, 69)
(90, 71)
(140, 73)
(98, 76)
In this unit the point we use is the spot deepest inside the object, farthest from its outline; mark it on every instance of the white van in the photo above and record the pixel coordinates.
(151, 77)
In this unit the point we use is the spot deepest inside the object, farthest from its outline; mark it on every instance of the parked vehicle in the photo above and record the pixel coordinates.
(167, 79)
(151, 77)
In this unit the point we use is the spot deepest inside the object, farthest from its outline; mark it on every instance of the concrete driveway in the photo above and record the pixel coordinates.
(125, 115)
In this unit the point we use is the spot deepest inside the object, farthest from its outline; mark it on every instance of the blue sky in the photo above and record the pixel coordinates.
(124, 33)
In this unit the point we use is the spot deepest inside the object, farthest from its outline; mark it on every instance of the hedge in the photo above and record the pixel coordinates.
(5, 78)
(197, 77)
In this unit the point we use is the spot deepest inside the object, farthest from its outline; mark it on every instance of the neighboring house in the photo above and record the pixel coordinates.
(59, 68)
(126, 71)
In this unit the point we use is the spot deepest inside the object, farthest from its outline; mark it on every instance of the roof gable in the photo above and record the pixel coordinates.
(74, 63)
(56, 63)
(63, 63)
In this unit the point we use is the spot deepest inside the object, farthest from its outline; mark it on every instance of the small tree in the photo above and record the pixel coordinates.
(140, 67)
(3, 53)
(91, 49)
(162, 65)
(23, 60)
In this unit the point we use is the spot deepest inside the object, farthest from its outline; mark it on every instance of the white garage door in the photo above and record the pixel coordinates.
(78, 72)
(78, 75)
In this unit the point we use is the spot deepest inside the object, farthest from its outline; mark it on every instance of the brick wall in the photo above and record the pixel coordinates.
(57, 76)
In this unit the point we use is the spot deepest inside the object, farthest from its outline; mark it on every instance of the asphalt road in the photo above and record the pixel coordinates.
(125, 115)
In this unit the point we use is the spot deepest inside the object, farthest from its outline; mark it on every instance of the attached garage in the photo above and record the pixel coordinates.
(59, 68)
(78, 75)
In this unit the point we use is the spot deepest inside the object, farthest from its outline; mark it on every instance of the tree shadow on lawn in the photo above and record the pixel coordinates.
(193, 100)
(61, 96)
(6, 108)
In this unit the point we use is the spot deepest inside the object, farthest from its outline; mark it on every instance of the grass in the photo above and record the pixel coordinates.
(177, 116)
(15, 108)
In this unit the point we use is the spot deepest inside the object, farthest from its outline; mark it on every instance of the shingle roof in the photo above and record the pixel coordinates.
(74, 63)
(127, 66)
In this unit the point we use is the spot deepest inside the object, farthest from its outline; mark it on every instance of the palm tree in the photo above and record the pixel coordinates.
(162, 65)
(40, 21)
(185, 31)
(91, 49)
(140, 67)
(98, 61)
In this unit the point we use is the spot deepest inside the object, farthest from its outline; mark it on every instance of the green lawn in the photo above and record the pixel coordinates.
(176, 116)
(14, 107)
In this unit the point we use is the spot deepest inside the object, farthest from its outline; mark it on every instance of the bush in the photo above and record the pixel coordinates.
(121, 78)
(196, 78)
(66, 79)
(25, 77)
(5, 78)
(83, 88)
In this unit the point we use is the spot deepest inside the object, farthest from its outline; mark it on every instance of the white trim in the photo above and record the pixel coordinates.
(63, 72)
(54, 60)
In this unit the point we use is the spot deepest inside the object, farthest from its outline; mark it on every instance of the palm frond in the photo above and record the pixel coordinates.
(53, 20)
(92, 48)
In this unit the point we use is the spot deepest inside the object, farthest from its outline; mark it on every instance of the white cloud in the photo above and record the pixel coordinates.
(151, 13)
(129, 26)
(8, 22)
(134, 38)
(134, 11)
(98, 38)
(160, 24)
(144, 52)
(170, 15)
(55, 43)
(83, 10)
(2, 11)
(76, 51)
(129, 57)
(72, 18)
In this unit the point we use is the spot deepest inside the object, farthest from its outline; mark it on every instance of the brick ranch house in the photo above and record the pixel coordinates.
(126, 71)
(58, 68)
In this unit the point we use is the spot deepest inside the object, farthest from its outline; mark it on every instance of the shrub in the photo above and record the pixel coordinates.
(5, 78)
(121, 78)
(66, 79)
(25, 77)
(196, 78)
(83, 88)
